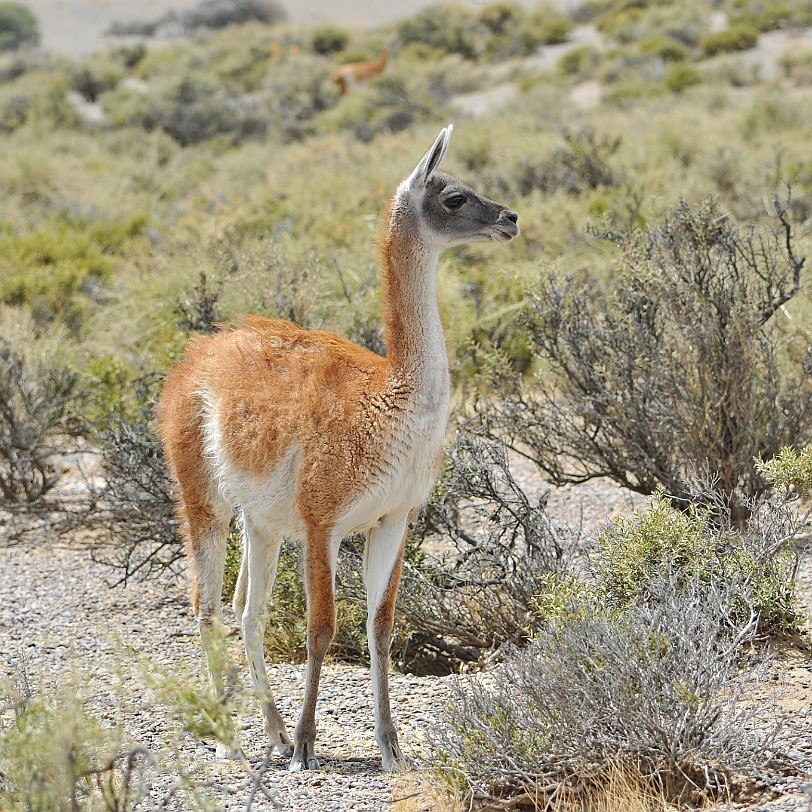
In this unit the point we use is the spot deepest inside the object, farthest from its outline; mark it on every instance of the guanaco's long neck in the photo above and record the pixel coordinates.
(412, 328)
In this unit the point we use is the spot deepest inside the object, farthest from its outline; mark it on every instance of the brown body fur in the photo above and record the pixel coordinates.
(358, 71)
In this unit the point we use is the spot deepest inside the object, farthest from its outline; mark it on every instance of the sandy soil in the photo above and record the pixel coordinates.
(77, 26)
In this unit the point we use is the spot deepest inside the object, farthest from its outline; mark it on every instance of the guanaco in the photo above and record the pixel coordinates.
(306, 435)
(345, 75)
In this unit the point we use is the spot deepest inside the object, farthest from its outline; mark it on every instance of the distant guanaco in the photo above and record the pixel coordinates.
(306, 435)
(349, 74)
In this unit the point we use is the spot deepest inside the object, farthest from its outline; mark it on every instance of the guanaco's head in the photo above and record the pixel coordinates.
(450, 212)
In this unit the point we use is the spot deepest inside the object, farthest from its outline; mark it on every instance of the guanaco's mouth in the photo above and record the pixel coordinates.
(504, 232)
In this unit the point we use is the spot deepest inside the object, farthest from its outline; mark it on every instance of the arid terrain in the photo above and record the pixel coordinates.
(153, 191)
(61, 622)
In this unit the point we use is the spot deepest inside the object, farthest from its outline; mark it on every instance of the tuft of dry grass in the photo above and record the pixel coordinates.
(618, 788)
(419, 791)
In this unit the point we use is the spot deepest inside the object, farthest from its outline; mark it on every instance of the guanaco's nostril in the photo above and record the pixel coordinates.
(511, 215)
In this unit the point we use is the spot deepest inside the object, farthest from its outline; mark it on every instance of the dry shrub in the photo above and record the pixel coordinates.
(581, 163)
(200, 311)
(659, 689)
(466, 602)
(643, 666)
(128, 508)
(37, 400)
(679, 368)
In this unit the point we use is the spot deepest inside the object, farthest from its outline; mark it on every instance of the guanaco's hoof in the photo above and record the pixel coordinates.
(304, 760)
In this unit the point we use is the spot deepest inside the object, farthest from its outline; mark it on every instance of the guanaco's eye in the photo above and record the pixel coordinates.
(454, 202)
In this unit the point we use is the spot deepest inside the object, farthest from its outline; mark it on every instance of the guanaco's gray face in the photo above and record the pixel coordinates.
(457, 214)
(451, 212)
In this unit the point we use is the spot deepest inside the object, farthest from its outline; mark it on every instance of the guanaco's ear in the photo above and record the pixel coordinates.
(431, 160)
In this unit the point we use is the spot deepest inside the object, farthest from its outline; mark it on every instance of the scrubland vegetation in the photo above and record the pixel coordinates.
(652, 325)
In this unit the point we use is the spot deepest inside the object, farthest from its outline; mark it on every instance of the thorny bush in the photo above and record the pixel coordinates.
(468, 602)
(36, 415)
(658, 688)
(131, 505)
(681, 367)
(642, 664)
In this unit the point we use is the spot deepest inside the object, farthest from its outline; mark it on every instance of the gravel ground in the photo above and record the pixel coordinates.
(58, 615)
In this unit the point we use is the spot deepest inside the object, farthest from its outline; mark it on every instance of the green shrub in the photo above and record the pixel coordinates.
(501, 17)
(769, 112)
(329, 39)
(14, 112)
(57, 268)
(447, 27)
(796, 64)
(548, 25)
(296, 95)
(18, 26)
(39, 96)
(664, 47)
(95, 76)
(736, 38)
(192, 110)
(580, 163)
(767, 15)
(757, 568)
(627, 21)
(589, 10)
(733, 71)
(582, 61)
(55, 756)
(387, 104)
(516, 32)
(790, 471)
(680, 77)
(621, 24)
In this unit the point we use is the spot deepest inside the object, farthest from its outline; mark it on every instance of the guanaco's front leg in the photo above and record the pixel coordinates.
(383, 562)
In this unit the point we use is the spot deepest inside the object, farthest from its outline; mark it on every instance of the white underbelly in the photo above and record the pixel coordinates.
(400, 480)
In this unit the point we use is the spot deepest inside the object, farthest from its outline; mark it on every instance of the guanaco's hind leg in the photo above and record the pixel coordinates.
(207, 551)
(321, 555)
(260, 557)
(383, 561)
